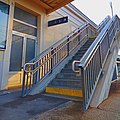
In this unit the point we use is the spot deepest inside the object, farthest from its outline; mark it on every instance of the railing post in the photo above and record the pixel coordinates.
(52, 59)
(108, 38)
(100, 54)
(34, 78)
(23, 84)
(87, 31)
(68, 46)
(83, 88)
(79, 37)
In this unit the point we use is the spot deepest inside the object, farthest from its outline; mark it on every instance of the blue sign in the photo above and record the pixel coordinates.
(58, 21)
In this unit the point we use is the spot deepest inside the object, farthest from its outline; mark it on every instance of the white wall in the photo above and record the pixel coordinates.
(55, 33)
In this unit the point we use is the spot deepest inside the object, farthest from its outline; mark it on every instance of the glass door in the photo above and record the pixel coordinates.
(23, 50)
(16, 53)
(30, 49)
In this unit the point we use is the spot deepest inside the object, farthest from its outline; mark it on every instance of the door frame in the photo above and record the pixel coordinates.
(25, 36)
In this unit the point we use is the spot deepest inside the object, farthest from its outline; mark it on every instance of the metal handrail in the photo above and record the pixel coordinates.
(93, 61)
(73, 66)
(89, 52)
(59, 42)
(43, 65)
(103, 23)
(50, 50)
(68, 36)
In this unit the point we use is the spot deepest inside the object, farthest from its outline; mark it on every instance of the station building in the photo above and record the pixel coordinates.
(25, 33)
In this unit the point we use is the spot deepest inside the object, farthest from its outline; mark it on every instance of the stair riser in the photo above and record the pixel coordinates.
(65, 75)
(67, 92)
(69, 84)
(70, 76)
(77, 56)
(67, 71)
(80, 53)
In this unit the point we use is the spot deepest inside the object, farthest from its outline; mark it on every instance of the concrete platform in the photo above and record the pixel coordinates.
(108, 110)
(41, 107)
(13, 107)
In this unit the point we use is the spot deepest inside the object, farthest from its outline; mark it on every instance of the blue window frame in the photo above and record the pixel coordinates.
(4, 14)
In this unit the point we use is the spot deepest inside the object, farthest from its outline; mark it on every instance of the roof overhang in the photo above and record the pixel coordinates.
(52, 5)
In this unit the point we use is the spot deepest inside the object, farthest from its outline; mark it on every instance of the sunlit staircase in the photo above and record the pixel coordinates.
(67, 82)
(77, 66)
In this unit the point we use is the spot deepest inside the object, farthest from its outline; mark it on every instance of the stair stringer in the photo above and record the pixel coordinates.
(102, 89)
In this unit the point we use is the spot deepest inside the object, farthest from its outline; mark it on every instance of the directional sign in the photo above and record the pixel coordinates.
(58, 21)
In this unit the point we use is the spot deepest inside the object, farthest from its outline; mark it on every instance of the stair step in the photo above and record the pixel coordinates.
(87, 44)
(83, 48)
(79, 99)
(68, 74)
(81, 53)
(70, 61)
(64, 91)
(66, 85)
(76, 58)
(67, 70)
(67, 82)
(68, 78)
(92, 37)
(78, 55)
(70, 84)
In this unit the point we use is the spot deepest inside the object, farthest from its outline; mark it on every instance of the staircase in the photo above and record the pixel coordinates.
(67, 83)
(54, 71)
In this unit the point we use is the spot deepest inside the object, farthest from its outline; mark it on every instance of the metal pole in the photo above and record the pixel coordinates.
(111, 8)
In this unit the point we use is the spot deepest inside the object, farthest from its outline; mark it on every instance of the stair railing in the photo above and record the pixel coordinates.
(103, 23)
(42, 66)
(93, 61)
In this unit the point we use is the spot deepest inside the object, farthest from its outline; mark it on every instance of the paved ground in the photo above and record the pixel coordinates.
(108, 110)
(40, 107)
(13, 107)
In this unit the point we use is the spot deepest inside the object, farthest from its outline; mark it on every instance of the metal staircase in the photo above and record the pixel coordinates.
(66, 82)
(42, 69)
(73, 66)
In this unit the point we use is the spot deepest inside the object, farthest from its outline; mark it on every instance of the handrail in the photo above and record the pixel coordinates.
(103, 23)
(51, 55)
(93, 61)
(59, 42)
(38, 69)
(91, 49)
(74, 64)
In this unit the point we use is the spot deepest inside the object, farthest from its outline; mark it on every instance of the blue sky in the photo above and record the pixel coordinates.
(97, 10)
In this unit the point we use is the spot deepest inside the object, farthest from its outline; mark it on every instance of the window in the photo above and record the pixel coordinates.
(24, 22)
(4, 13)
(20, 27)
(16, 57)
(25, 16)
